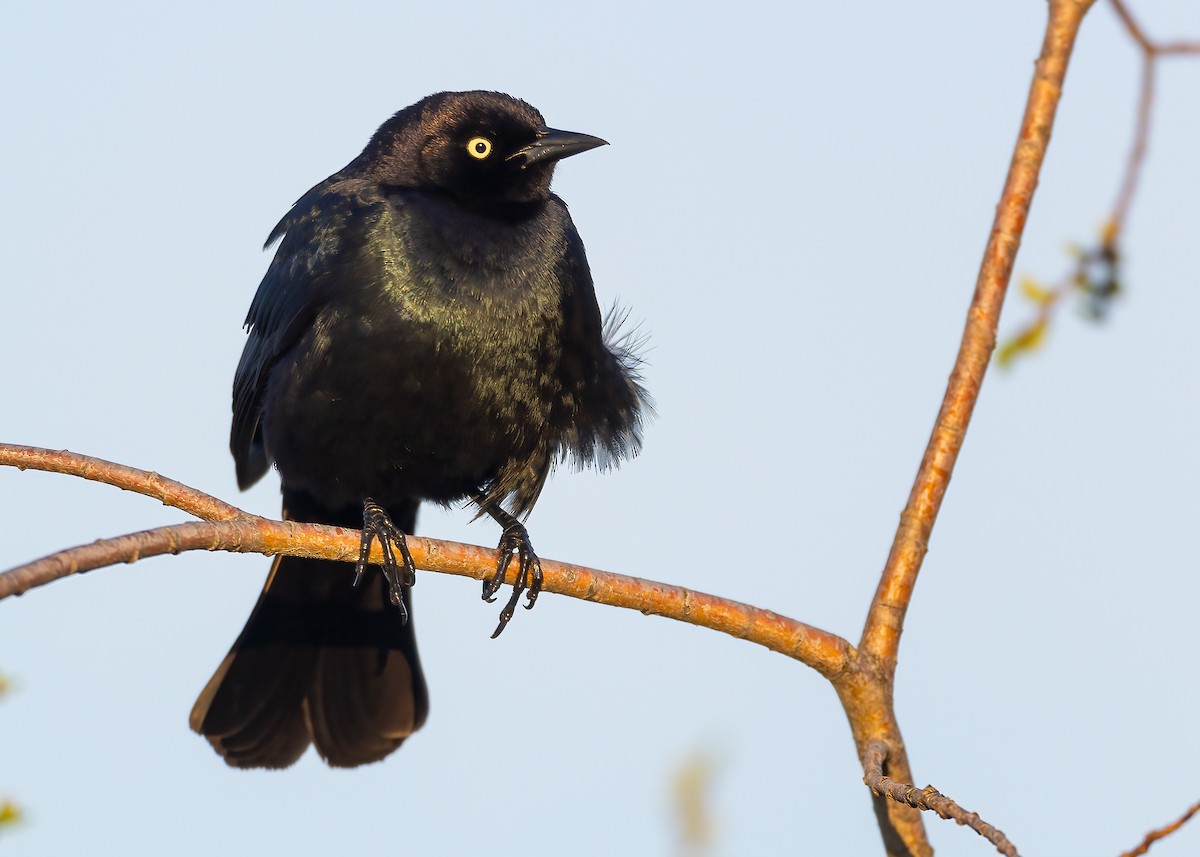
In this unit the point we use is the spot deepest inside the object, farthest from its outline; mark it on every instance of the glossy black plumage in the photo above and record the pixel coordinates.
(427, 330)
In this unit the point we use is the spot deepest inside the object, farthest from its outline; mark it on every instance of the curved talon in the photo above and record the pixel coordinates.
(515, 538)
(529, 572)
(535, 587)
(507, 613)
(378, 524)
(492, 585)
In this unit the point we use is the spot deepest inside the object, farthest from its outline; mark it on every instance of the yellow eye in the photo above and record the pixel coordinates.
(479, 147)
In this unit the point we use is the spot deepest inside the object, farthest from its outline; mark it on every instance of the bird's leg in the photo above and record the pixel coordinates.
(529, 569)
(378, 524)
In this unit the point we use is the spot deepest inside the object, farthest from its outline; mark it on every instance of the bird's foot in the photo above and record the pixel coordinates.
(378, 524)
(529, 571)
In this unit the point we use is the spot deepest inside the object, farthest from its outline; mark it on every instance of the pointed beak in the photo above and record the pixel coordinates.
(553, 145)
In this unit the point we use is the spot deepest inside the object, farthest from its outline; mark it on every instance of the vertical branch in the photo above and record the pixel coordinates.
(885, 622)
(866, 688)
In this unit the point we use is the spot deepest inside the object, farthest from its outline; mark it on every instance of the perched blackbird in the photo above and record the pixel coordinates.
(427, 330)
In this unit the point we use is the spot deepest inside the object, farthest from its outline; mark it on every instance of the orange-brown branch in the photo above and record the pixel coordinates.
(1162, 832)
(232, 529)
(865, 688)
(145, 482)
(885, 622)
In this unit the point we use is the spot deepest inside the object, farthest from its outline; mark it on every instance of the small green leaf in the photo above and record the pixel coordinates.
(1036, 292)
(10, 813)
(1024, 342)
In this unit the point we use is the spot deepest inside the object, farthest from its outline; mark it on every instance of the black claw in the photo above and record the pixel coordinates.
(529, 572)
(535, 588)
(514, 539)
(378, 524)
(507, 613)
(492, 585)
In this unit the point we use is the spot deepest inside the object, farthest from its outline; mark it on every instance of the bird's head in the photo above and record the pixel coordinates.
(486, 149)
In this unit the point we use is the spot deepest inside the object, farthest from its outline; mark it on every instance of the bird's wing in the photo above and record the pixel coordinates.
(323, 229)
(604, 401)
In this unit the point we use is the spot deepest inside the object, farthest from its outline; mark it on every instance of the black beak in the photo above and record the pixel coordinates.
(552, 145)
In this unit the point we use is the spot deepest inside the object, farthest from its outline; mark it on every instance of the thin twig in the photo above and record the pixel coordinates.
(1131, 25)
(927, 798)
(1151, 52)
(827, 653)
(1148, 45)
(1137, 153)
(1155, 835)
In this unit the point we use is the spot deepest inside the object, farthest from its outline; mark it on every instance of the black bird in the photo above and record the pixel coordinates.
(427, 330)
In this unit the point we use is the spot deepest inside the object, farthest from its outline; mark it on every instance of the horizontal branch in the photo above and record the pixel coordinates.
(927, 798)
(145, 482)
(240, 531)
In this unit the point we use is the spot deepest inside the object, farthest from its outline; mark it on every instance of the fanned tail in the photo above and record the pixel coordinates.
(320, 661)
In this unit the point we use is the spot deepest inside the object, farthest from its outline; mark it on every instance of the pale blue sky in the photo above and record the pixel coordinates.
(794, 203)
